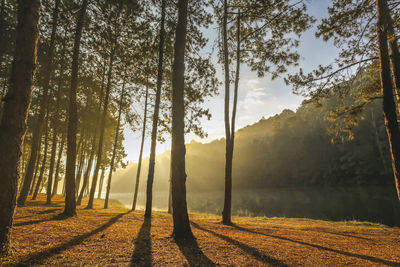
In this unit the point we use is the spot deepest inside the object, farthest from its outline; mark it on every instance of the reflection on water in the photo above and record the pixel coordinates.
(374, 204)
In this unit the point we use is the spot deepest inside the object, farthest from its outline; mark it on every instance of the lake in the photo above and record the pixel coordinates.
(373, 204)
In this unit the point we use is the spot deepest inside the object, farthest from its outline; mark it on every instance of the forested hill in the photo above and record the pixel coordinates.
(290, 149)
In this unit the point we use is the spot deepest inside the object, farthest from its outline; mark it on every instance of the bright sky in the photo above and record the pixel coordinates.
(258, 97)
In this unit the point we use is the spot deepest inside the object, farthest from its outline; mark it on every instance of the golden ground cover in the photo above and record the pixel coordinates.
(116, 237)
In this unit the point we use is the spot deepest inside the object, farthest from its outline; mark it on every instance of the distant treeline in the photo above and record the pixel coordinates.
(303, 148)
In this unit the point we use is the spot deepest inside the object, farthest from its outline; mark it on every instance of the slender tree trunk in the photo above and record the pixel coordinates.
(178, 150)
(395, 54)
(102, 126)
(226, 213)
(81, 165)
(44, 161)
(389, 107)
(141, 149)
(55, 128)
(150, 178)
(37, 167)
(15, 112)
(92, 151)
(55, 188)
(2, 45)
(121, 103)
(378, 142)
(43, 109)
(70, 201)
(101, 182)
(170, 192)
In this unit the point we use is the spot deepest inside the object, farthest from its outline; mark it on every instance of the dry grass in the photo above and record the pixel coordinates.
(117, 237)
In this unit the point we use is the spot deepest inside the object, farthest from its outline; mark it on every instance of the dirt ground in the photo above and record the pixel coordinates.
(117, 237)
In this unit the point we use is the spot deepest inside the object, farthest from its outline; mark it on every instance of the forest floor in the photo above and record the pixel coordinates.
(115, 237)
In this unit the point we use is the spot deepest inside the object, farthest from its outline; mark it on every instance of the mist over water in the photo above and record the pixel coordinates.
(373, 204)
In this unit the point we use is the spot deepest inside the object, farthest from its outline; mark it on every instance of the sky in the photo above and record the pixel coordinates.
(258, 97)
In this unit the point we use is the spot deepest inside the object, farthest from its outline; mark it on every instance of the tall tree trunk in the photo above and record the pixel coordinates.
(80, 166)
(44, 161)
(395, 54)
(43, 109)
(102, 126)
(150, 178)
(141, 149)
(36, 171)
(178, 150)
(101, 182)
(55, 188)
(121, 103)
(13, 122)
(170, 192)
(70, 201)
(55, 128)
(2, 45)
(92, 151)
(389, 107)
(226, 213)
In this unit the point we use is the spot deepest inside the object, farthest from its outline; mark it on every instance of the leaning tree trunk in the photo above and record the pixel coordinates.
(141, 149)
(43, 110)
(152, 160)
(102, 126)
(44, 161)
(121, 103)
(226, 213)
(70, 201)
(13, 122)
(389, 107)
(178, 150)
(55, 188)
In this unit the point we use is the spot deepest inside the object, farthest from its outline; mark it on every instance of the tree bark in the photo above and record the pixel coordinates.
(150, 177)
(43, 110)
(16, 106)
(55, 188)
(389, 107)
(141, 149)
(180, 214)
(121, 103)
(102, 126)
(70, 201)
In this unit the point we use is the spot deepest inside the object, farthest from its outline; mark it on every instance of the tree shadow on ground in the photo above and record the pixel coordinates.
(58, 217)
(246, 248)
(345, 253)
(142, 252)
(333, 233)
(48, 211)
(192, 252)
(39, 257)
